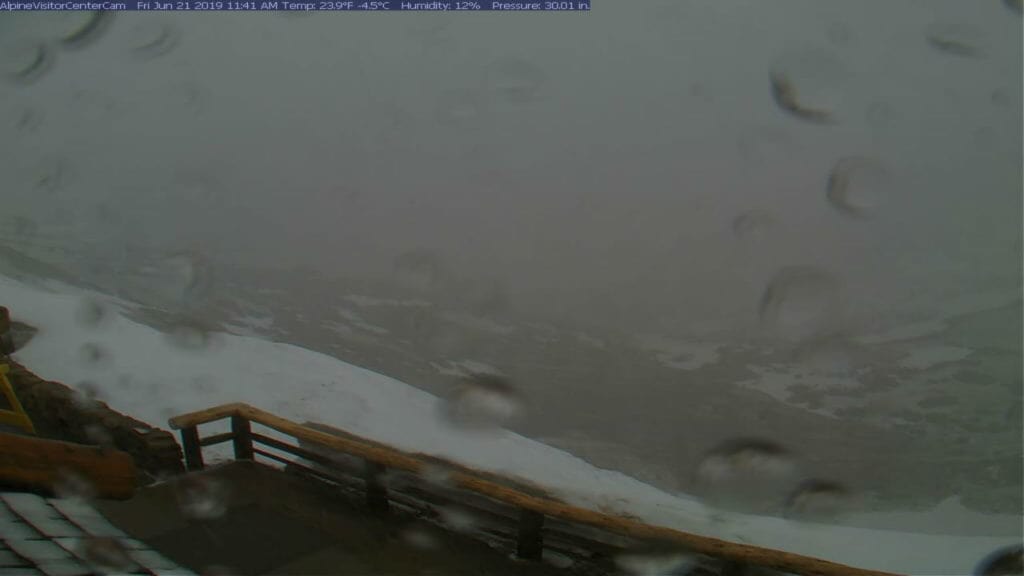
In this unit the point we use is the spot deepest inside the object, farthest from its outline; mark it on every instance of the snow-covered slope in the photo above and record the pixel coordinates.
(151, 375)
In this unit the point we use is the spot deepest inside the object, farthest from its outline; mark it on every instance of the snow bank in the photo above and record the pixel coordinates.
(145, 375)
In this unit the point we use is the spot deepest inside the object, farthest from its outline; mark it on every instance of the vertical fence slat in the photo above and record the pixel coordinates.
(530, 544)
(242, 441)
(190, 446)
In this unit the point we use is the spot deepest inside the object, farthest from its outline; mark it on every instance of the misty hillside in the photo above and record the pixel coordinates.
(690, 238)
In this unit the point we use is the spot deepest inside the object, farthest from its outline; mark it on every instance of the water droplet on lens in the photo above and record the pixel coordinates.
(87, 395)
(460, 109)
(153, 38)
(436, 474)
(516, 80)
(106, 554)
(818, 500)
(457, 518)
(419, 270)
(85, 28)
(1015, 5)
(809, 85)
(92, 313)
(955, 38)
(24, 62)
(191, 336)
(419, 538)
(1007, 561)
(656, 563)
(182, 280)
(747, 474)
(94, 355)
(858, 186)
(202, 497)
(482, 401)
(73, 485)
(753, 225)
(801, 303)
(99, 435)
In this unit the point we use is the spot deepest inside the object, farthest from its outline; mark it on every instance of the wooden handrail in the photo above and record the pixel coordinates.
(205, 416)
(466, 478)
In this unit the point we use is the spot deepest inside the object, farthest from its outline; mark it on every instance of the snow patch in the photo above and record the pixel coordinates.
(303, 385)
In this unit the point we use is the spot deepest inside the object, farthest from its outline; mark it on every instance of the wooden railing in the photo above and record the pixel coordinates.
(534, 506)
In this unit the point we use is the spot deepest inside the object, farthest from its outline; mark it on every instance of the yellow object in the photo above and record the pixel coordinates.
(16, 415)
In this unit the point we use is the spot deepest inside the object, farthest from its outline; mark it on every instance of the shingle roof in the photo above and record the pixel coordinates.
(67, 537)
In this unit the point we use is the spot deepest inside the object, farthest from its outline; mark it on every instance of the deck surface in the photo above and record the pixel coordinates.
(277, 522)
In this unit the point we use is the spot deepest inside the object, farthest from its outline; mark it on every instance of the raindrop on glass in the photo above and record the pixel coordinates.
(436, 474)
(809, 85)
(183, 279)
(202, 497)
(457, 518)
(419, 270)
(92, 313)
(818, 500)
(753, 225)
(87, 395)
(70, 484)
(858, 186)
(1015, 5)
(84, 28)
(191, 336)
(656, 563)
(482, 401)
(460, 109)
(23, 61)
(106, 554)
(955, 39)
(153, 37)
(800, 303)
(94, 355)
(516, 80)
(1007, 561)
(419, 538)
(99, 435)
(748, 474)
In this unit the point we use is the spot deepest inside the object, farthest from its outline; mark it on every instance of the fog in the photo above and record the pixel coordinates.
(592, 164)
(663, 225)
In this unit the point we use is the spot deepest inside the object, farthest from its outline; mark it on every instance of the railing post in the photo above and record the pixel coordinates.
(376, 491)
(242, 430)
(530, 544)
(190, 446)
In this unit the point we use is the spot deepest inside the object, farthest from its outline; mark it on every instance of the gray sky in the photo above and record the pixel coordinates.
(594, 163)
